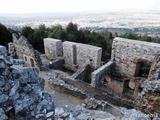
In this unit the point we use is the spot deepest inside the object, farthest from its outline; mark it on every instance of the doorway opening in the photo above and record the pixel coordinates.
(32, 62)
(142, 69)
(128, 89)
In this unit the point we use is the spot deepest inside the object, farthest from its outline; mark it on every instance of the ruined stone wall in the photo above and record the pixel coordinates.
(87, 54)
(100, 73)
(127, 53)
(53, 48)
(148, 101)
(79, 55)
(24, 50)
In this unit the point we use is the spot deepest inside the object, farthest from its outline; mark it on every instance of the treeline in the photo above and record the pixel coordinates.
(69, 33)
(5, 35)
(144, 37)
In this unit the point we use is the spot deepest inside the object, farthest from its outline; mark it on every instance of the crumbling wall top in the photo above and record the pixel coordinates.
(24, 48)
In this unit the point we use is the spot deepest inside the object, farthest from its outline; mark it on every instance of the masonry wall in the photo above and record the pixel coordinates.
(87, 54)
(69, 54)
(53, 48)
(79, 55)
(100, 74)
(128, 53)
(24, 50)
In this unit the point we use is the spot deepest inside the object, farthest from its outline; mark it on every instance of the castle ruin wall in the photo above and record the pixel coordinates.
(127, 53)
(24, 50)
(100, 73)
(79, 55)
(53, 48)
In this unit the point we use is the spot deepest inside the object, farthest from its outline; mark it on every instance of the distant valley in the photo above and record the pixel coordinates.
(139, 23)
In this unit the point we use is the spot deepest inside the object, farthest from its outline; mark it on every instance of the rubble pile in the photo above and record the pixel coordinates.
(81, 113)
(148, 100)
(21, 93)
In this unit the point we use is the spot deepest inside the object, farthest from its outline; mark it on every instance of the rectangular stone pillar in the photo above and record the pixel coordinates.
(53, 48)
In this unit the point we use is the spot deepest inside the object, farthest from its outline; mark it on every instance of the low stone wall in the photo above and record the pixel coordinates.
(63, 87)
(73, 87)
(56, 64)
(100, 73)
(83, 74)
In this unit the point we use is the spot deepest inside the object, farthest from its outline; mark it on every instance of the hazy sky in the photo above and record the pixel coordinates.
(34, 6)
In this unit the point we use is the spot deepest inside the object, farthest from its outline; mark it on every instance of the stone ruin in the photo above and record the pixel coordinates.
(118, 78)
(116, 82)
(21, 48)
(21, 91)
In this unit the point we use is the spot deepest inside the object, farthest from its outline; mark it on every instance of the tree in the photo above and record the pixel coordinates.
(5, 35)
(72, 32)
(57, 32)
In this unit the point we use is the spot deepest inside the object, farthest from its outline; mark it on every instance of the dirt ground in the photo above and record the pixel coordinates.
(60, 99)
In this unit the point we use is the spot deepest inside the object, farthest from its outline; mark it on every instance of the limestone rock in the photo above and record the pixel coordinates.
(3, 115)
(21, 93)
(3, 50)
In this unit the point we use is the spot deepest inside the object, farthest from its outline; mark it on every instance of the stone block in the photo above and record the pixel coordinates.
(3, 50)
(53, 48)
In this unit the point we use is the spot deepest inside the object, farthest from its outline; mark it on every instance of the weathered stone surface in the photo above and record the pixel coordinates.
(127, 53)
(61, 86)
(79, 55)
(24, 50)
(53, 48)
(3, 50)
(88, 55)
(148, 100)
(21, 94)
(25, 74)
(17, 62)
(3, 98)
(100, 73)
(132, 114)
(11, 50)
(56, 64)
(81, 113)
(14, 88)
(2, 65)
(3, 115)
